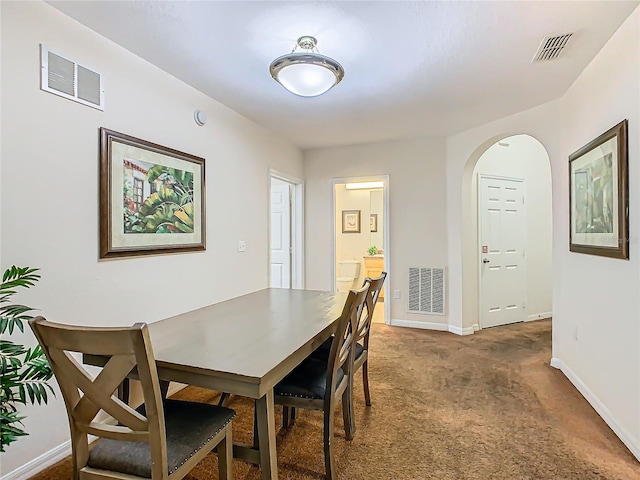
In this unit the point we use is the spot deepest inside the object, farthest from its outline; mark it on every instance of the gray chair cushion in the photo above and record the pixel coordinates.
(188, 425)
(307, 380)
(322, 352)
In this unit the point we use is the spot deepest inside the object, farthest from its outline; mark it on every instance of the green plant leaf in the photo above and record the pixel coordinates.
(183, 228)
(21, 394)
(25, 372)
(18, 277)
(154, 172)
(30, 392)
(9, 431)
(167, 194)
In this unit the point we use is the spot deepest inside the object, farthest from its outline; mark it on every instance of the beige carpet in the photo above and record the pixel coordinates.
(486, 406)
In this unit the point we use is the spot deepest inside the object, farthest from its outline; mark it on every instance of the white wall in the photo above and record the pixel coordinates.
(49, 191)
(417, 219)
(525, 158)
(599, 296)
(595, 295)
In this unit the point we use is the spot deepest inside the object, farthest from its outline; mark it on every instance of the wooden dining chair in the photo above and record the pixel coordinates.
(319, 384)
(160, 440)
(361, 349)
(361, 352)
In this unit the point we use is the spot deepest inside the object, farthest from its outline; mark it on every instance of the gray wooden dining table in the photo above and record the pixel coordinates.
(245, 346)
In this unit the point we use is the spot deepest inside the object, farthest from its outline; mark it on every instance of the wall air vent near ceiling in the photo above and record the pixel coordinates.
(426, 290)
(551, 47)
(64, 77)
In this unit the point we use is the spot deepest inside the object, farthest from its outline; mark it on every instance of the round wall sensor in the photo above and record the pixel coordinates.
(200, 117)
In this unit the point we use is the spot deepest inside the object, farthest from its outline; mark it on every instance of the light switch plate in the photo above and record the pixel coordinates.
(241, 246)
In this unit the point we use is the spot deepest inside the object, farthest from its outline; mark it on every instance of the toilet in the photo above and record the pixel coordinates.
(348, 274)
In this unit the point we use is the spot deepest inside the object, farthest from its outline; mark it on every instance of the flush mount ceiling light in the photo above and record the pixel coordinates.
(306, 72)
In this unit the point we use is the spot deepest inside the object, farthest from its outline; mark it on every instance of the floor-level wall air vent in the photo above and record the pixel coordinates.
(64, 77)
(551, 47)
(426, 290)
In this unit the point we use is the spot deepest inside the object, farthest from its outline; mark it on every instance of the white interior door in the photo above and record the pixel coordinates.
(280, 234)
(502, 224)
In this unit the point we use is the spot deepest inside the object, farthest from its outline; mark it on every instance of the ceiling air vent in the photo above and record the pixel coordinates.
(64, 77)
(551, 47)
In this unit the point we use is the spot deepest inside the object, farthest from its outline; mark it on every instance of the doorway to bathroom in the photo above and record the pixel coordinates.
(361, 240)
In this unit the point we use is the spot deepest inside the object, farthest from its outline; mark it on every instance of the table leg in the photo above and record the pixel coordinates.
(267, 436)
(256, 442)
(124, 390)
(164, 388)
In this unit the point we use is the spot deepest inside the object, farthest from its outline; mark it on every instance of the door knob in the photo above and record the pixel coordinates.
(485, 260)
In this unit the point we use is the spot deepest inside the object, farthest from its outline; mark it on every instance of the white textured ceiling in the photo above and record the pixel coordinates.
(412, 69)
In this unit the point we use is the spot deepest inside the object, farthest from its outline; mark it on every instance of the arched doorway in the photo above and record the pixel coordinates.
(517, 157)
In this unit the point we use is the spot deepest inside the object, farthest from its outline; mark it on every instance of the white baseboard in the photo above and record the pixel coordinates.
(38, 464)
(599, 407)
(538, 316)
(424, 325)
(442, 327)
(463, 331)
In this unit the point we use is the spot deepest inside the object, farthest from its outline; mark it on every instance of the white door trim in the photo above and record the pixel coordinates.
(479, 237)
(297, 225)
(385, 223)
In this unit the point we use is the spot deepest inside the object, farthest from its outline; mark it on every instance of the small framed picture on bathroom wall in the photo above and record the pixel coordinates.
(373, 222)
(350, 221)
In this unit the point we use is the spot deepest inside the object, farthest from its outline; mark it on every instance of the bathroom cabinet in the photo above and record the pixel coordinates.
(373, 267)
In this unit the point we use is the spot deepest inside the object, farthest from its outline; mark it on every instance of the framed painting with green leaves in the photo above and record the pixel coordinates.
(152, 198)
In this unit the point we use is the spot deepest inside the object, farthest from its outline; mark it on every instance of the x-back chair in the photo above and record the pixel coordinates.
(319, 384)
(364, 329)
(361, 352)
(160, 440)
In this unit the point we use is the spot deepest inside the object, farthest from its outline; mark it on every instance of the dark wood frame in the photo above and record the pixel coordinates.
(620, 133)
(107, 247)
(351, 212)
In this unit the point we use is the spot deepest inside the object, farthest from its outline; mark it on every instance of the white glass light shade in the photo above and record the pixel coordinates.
(306, 79)
(306, 74)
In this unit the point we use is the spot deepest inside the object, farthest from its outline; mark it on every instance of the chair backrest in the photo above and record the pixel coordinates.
(343, 339)
(126, 348)
(364, 322)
